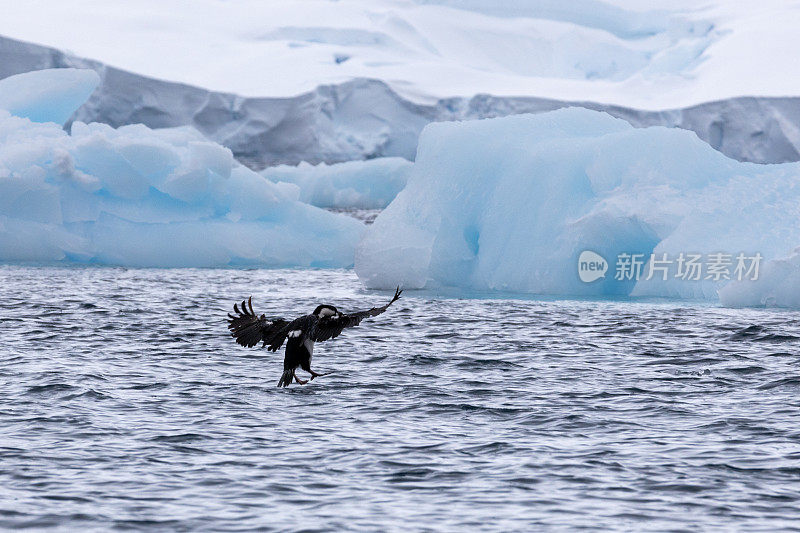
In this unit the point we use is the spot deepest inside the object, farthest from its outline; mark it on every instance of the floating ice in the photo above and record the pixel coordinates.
(510, 204)
(778, 285)
(370, 184)
(141, 197)
(47, 95)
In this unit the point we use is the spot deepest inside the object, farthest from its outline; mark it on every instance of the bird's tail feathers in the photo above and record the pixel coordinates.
(286, 378)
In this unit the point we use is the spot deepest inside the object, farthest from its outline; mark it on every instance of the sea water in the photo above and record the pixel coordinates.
(125, 405)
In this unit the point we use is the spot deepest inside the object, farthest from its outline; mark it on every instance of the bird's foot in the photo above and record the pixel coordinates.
(300, 381)
(317, 375)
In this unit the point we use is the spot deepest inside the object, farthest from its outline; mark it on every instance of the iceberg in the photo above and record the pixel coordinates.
(50, 95)
(134, 196)
(511, 204)
(777, 286)
(370, 184)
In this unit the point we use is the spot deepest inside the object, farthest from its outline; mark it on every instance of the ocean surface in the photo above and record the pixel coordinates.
(125, 405)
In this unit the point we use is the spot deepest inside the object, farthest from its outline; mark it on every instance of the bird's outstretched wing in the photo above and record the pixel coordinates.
(331, 327)
(249, 329)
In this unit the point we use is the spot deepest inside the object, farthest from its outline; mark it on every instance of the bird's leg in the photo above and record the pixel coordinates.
(300, 381)
(316, 374)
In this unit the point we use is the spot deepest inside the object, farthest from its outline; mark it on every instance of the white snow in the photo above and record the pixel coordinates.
(510, 204)
(141, 197)
(652, 54)
(370, 184)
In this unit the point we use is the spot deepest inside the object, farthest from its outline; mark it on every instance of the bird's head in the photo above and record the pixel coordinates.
(324, 311)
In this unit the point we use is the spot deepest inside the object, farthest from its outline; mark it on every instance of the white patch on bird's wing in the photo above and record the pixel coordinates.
(295, 333)
(309, 344)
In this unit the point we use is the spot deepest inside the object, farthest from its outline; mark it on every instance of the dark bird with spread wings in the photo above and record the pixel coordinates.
(326, 322)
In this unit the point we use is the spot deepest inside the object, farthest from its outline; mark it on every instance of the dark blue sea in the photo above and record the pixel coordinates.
(126, 406)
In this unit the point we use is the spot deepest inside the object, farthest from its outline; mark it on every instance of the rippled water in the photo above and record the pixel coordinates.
(125, 405)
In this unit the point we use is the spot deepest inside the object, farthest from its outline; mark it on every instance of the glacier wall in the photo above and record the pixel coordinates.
(364, 118)
(134, 196)
(510, 204)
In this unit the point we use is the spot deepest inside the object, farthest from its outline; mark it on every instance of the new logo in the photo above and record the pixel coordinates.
(591, 266)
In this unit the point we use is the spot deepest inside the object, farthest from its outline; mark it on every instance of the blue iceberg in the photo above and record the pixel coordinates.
(135, 196)
(510, 204)
(50, 95)
(370, 184)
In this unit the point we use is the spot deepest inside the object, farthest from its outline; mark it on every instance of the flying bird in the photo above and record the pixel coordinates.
(326, 322)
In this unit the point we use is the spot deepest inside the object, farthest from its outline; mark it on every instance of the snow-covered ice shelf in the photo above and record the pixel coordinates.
(366, 76)
(651, 54)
